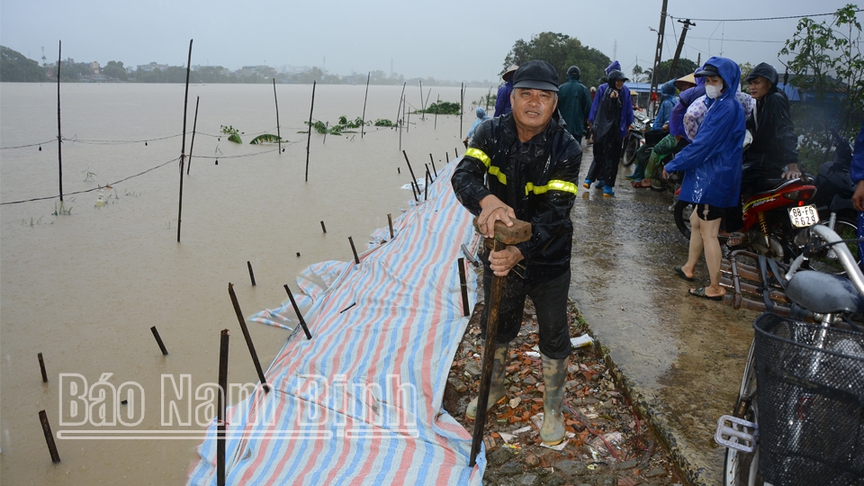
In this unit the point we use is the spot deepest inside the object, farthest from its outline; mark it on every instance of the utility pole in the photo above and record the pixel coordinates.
(687, 25)
(657, 53)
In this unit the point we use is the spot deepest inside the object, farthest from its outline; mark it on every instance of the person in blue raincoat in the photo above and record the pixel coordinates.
(481, 117)
(712, 170)
(667, 91)
(856, 172)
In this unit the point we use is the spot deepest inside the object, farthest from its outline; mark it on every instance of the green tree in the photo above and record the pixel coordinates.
(828, 66)
(16, 68)
(562, 51)
(115, 69)
(684, 67)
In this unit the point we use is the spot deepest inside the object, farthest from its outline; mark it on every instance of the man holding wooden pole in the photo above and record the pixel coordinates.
(530, 165)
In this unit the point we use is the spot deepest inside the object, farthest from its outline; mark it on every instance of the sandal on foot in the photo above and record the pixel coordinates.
(680, 272)
(700, 292)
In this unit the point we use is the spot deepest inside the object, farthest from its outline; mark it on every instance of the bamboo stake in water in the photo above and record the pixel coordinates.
(390, 223)
(59, 135)
(278, 130)
(437, 102)
(366, 97)
(49, 437)
(248, 338)
(422, 106)
(251, 274)
(222, 405)
(183, 148)
(432, 159)
(159, 341)
(42, 368)
(297, 311)
(461, 102)
(194, 127)
(309, 136)
(354, 250)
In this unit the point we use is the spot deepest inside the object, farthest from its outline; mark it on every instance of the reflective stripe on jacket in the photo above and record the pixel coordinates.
(538, 179)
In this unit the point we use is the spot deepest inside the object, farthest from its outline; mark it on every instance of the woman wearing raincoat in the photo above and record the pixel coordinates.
(712, 170)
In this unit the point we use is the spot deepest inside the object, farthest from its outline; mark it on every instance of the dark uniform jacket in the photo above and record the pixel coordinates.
(538, 179)
(774, 141)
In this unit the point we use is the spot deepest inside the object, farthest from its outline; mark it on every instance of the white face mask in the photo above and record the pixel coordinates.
(712, 91)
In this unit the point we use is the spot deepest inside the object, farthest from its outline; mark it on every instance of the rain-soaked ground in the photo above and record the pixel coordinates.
(679, 357)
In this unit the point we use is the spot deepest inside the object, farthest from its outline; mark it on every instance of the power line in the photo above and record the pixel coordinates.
(764, 18)
(743, 40)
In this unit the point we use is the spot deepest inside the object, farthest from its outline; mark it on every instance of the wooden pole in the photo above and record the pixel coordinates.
(519, 232)
(297, 311)
(432, 159)
(488, 97)
(309, 137)
(413, 177)
(427, 179)
(194, 128)
(323, 228)
(354, 250)
(251, 273)
(401, 121)
(390, 223)
(437, 102)
(59, 135)
(278, 129)
(49, 437)
(183, 148)
(248, 338)
(222, 408)
(422, 106)
(159, 341)
(366, 97)
(463, 284)
(461, 107)
(42, 369)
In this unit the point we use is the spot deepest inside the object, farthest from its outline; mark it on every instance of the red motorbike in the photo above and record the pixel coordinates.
(771, 218)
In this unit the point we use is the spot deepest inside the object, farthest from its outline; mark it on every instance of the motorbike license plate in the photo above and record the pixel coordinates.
(804, 216)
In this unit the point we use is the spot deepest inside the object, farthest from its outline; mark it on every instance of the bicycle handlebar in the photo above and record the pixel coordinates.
(832, 239)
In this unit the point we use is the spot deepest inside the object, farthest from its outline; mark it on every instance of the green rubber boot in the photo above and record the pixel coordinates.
(554, 374)
(496, 390)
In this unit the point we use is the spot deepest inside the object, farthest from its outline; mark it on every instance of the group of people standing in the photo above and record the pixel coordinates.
(524, 163)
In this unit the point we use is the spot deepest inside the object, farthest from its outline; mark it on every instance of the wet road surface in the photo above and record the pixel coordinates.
(679, 357)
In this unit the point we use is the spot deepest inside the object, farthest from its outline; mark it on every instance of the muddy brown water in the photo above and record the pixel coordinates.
(85, 288)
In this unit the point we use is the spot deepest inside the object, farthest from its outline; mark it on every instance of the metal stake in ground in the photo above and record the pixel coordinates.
(248, 338)
(504, 236)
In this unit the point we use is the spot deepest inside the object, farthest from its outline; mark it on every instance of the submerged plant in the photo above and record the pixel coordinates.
(233, 133)
(266, 138)
(61, 210)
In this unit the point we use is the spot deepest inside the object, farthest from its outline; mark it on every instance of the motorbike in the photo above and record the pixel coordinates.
(772, 218)
(635, 137)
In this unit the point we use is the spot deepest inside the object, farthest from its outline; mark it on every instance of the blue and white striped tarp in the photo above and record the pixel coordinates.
(360, 403)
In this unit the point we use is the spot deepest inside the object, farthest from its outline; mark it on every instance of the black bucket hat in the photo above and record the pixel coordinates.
(536, 75)
(707, 70)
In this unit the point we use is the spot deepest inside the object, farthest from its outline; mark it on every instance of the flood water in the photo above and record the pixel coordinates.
(84, 288)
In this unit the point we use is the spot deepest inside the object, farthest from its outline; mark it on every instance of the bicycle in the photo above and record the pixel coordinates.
(804, 422)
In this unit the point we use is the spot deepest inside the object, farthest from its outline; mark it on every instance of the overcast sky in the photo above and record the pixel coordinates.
(445, 39)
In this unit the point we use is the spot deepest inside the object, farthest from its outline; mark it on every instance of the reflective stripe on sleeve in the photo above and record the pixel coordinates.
(482, 157)
(554, 185)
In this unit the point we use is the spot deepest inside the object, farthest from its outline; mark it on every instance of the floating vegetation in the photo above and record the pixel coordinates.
(383, 122)
(89, 176)
(233, 133)
(344, 126)
(443, 108)
(266, 138)
(61, 210)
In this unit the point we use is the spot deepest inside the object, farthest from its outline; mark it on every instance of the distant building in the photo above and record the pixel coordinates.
(149, 68)
(94, 67)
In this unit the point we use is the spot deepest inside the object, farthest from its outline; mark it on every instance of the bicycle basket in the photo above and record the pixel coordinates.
(811, 402)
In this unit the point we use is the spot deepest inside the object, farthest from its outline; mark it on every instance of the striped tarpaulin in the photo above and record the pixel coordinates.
(360, 403)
